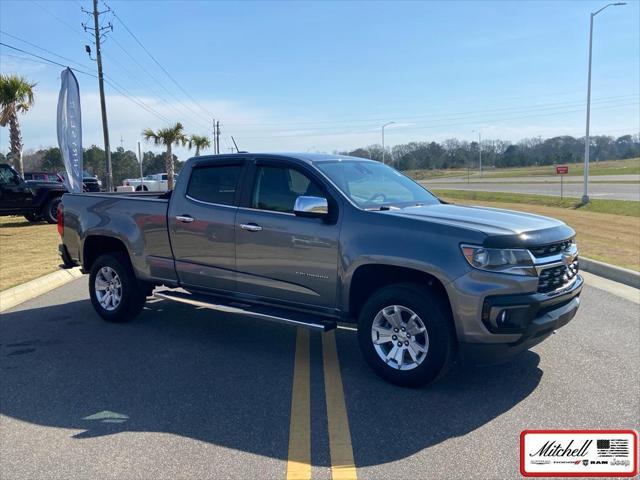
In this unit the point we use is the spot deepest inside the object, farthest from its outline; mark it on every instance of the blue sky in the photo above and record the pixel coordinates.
(325, 75)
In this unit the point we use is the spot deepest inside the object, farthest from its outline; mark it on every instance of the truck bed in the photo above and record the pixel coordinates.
(138, 220)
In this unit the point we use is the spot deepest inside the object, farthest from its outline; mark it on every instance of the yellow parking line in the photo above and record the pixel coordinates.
(342, 464)
(299, 463)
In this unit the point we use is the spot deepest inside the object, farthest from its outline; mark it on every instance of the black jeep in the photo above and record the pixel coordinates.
(35, 200)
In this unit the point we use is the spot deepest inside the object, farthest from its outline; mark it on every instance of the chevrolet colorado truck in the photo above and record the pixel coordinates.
(312, 240)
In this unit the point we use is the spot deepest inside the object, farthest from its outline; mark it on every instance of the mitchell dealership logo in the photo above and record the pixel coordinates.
(558, 449)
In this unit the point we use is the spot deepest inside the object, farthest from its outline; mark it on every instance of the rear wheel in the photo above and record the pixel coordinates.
(50, 212)
(33, 217)
(114, 290)
(142, 188)
(405, 334)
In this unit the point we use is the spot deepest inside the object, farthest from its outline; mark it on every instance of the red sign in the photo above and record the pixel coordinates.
(562, 169)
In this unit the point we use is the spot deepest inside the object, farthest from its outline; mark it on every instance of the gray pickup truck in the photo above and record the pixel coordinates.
(312, 240)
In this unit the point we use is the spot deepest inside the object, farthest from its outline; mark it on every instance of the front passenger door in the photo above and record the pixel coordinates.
(280, 256)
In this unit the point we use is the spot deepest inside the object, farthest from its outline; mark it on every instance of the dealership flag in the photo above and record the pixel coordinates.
(70, 130)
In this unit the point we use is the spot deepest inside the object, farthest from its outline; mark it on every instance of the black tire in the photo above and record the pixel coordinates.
(33, 217)
(436, 318)
(50, 212)
(142, 188)
(132, 294)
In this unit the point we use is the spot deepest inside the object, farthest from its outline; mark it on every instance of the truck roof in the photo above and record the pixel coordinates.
(304, 157)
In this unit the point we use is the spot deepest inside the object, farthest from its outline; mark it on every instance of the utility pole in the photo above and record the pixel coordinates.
(479, 150)
(97, 31)
(217, 137)
(140, 158)
(235, 144)
(383, 149)
(214, 136)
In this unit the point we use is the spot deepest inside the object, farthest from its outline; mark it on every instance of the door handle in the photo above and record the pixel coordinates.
(185, 218)
(251, 227)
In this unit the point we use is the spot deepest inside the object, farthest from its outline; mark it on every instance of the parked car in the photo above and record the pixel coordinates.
(151, 183)
(35, 200)
(47, 177)
(309, 240)
(90, 183)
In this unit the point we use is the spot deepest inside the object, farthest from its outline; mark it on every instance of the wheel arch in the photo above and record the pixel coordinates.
(96, 245)
(369, 277)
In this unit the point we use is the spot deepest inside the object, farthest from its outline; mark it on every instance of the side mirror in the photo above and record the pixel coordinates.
(313, 207)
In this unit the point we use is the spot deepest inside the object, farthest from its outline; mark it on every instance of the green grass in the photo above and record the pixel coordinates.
(607, 167)
(615, 207)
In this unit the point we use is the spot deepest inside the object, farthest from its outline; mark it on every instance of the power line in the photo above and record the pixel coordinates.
(400, 117)
(207, 114)
(154, 78)
(85, 37)
(43, 49)
(113, 84)
(47, 60)
(437, 125)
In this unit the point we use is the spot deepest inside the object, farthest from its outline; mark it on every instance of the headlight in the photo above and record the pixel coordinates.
(502, 260)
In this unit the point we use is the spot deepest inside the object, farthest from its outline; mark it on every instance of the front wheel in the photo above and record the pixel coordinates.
(405, 334)
(114, 290)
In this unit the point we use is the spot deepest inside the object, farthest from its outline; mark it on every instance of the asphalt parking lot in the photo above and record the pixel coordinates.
(189, 393)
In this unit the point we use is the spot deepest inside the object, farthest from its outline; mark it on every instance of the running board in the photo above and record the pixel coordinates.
(272, 314)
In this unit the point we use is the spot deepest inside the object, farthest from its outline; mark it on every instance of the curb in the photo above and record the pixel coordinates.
(11, 297)
(610, 272)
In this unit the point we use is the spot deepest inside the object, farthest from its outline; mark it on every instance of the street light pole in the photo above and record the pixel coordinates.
(479, 151)
(585, 193)
(383, 150)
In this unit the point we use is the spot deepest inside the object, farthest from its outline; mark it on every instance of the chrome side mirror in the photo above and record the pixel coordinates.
(311, 207)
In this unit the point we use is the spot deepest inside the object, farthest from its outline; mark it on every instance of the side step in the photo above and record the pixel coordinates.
(272, 314)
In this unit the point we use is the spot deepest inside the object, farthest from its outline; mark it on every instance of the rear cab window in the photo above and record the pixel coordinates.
(215, 184)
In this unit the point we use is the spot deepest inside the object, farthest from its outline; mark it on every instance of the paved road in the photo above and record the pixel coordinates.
(543, 185)
(192, 394)
(540, 179)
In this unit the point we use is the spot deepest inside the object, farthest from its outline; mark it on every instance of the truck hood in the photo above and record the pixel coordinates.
(503, 228)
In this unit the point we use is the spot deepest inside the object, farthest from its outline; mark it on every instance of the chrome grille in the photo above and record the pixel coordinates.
(551, 249)
(553, 278)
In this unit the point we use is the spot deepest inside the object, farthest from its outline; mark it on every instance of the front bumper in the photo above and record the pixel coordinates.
(538, 316)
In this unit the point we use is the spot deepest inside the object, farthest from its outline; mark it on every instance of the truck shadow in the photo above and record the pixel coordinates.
(223, 380)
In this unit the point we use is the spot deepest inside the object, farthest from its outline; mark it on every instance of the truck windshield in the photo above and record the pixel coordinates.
(372, 185)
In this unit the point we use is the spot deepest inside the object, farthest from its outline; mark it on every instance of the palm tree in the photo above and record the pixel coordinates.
(168, 137)
(200, 141)
(16, 96)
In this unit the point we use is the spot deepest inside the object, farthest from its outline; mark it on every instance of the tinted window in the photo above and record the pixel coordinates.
(6, 176)
(215, 184)
(276, 188)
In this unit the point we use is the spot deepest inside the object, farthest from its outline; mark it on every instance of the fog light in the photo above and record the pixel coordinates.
(502, 318)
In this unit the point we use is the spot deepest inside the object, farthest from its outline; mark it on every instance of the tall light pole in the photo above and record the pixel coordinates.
(585, 194)
(383, 150)
(479, 150)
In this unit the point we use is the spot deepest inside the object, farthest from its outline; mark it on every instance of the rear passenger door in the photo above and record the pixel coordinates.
(202, 224)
